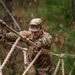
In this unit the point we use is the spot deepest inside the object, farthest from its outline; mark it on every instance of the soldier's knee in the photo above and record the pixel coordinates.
(32, 71)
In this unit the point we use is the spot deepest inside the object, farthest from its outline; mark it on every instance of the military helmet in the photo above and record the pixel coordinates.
(35, 24)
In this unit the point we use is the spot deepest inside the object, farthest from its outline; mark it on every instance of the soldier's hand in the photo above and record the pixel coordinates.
(39, 45)
(27, 33)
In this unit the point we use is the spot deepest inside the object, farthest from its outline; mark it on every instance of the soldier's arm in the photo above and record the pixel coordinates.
(12, 37)
(46, 41)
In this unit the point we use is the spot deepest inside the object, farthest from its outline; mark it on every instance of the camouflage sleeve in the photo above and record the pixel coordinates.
(46, 40)
(12, 37)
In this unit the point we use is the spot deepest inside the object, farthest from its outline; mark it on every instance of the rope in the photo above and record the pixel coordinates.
(9, 54)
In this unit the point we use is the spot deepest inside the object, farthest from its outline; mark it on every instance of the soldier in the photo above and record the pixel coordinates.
(42, 39)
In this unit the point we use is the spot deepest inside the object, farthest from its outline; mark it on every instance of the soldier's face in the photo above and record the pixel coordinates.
(37, 34)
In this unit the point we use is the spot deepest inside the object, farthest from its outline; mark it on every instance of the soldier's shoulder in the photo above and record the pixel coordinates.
(46, 34)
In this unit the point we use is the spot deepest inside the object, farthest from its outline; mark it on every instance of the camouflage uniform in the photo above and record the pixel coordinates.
(43, 65)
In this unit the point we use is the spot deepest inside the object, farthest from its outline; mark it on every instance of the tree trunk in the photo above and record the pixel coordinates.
(7, 17)
(73, 9)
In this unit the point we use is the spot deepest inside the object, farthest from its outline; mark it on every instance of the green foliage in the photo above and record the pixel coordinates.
(57, 18)
(69, 64)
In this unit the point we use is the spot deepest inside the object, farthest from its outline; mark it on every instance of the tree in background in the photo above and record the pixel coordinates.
(7, 17)
(57, 17)
(73, 11)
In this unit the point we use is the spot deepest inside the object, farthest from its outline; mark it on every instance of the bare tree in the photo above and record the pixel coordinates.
(8, 4)
(73, 9)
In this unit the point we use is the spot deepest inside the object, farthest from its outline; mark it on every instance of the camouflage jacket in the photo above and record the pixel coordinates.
(43, 60)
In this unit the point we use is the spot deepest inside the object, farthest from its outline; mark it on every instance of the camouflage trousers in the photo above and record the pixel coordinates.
(35, 71)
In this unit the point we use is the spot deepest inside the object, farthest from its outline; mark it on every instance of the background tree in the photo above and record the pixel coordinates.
(8, 4)
(73, 9)
(57, 17)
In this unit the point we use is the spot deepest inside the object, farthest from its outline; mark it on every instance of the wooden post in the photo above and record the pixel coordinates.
(62, 60)
(70, 73)
(0, 69)
(32, 63)
(25, 57)
(57, 67)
